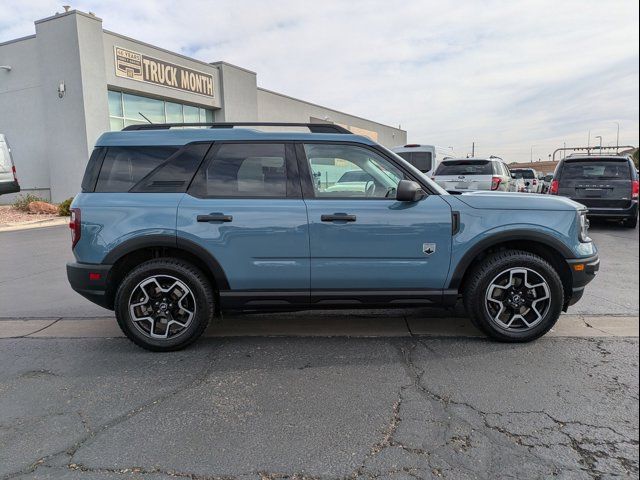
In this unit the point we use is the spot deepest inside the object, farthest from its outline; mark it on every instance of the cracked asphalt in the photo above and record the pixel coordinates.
(338, 408)
(266, 408)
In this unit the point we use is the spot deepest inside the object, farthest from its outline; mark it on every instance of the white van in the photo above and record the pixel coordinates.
(425, 158)
(8, 179)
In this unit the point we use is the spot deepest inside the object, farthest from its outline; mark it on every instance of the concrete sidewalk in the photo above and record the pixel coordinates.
(326, 325)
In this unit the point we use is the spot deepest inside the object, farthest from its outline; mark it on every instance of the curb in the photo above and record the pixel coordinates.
(50, 222)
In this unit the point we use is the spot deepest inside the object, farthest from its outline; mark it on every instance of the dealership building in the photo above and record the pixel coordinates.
(71, 81)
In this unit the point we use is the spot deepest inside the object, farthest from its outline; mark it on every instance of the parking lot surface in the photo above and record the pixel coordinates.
(359, 395)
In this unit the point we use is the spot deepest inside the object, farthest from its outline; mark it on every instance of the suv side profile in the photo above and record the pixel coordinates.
(174, 226)
(606, 184)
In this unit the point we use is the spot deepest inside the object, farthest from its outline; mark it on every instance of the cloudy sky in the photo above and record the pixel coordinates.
(511, 76)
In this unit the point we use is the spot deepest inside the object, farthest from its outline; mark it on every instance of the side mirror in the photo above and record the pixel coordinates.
(409, 191)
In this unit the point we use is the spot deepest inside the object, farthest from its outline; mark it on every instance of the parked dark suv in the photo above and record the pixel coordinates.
(606, 185)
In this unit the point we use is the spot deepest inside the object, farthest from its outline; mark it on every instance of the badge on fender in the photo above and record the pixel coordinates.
(428, 248)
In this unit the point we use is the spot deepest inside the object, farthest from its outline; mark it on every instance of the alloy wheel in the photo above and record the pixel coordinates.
(517, 299)
(162, 307)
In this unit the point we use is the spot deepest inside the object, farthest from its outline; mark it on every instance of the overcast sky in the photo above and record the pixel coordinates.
(507, 75)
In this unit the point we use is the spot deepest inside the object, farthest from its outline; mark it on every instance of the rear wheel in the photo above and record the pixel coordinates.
(514, 296)
(164, 304)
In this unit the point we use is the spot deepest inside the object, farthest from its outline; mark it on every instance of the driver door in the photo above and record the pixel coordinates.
(361, 238)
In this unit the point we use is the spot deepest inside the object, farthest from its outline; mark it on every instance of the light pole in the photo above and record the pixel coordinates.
(600, 137)
(531, 154)
(617, 136)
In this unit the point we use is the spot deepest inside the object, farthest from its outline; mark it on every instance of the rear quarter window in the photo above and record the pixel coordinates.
(124, 167)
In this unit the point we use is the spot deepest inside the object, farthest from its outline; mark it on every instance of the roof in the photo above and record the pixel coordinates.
(189, 135)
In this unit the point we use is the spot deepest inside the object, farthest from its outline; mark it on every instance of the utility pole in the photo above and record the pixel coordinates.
(473, 149)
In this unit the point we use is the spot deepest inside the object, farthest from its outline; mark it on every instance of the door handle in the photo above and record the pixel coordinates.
(215, 217)
(338, 217)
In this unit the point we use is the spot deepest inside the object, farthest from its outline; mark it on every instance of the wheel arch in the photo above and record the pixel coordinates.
(547, 247)
(131, 253)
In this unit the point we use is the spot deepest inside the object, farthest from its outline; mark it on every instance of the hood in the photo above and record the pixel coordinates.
(517, 201)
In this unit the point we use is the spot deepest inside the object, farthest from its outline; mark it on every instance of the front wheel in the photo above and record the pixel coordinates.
(164, 304)
(514, 296)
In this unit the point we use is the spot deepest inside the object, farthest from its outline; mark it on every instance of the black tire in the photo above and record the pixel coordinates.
(202, 295)
(630, 222)
(479, 281)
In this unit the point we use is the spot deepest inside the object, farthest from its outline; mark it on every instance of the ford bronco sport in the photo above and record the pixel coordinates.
(174, 225)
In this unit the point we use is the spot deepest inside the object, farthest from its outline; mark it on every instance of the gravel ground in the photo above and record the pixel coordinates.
(11, 216)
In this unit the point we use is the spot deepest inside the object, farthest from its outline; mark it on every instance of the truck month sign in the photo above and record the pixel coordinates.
(136, 66)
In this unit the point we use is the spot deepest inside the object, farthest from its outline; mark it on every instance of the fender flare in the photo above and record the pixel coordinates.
(502, 237)
(171, 241)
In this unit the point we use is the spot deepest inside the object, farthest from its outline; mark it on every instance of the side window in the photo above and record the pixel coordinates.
(123, 167)
(174, 175)
(244, 170)
(351, 171)
(92, 170)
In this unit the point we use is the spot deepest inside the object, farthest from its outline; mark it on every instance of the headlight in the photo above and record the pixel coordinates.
(584, 227)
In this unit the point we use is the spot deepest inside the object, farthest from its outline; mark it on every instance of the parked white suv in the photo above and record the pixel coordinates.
(531, 178)
(462, 174)
(8, 180)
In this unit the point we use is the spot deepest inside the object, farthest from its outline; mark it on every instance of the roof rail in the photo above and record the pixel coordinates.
(591, 150)
(313, 127)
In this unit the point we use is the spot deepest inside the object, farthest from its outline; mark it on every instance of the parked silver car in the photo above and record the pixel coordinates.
(463, 174)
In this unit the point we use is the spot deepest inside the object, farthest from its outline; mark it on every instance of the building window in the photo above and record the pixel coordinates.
(126, 109)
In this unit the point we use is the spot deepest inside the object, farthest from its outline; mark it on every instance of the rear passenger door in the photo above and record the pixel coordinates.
(245, 208)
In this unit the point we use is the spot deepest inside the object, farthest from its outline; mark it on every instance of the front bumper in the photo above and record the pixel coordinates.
(583, 271)
(90, 281)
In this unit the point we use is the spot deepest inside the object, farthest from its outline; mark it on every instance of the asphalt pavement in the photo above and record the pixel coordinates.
(338, 395)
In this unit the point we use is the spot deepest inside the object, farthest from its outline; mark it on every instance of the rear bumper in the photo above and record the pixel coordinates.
(583, 271)
(90, 281)
(608, 212)
(9, 187)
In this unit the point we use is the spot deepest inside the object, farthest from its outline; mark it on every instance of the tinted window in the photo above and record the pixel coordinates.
(523, 173)
(420, 160)
(378, 177)
(244, 170)
(123, 167)
(465, 167)
(175, 174)
(355, 176)
(93, 169)
(605, 170)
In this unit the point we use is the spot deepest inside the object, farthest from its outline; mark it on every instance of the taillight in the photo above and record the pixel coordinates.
(535, 182)
(75, 225)
(634, 189)
(495, 183)
(553, 190)
(13, 169)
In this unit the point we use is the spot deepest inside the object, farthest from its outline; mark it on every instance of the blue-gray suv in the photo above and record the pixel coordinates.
(175, 225)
